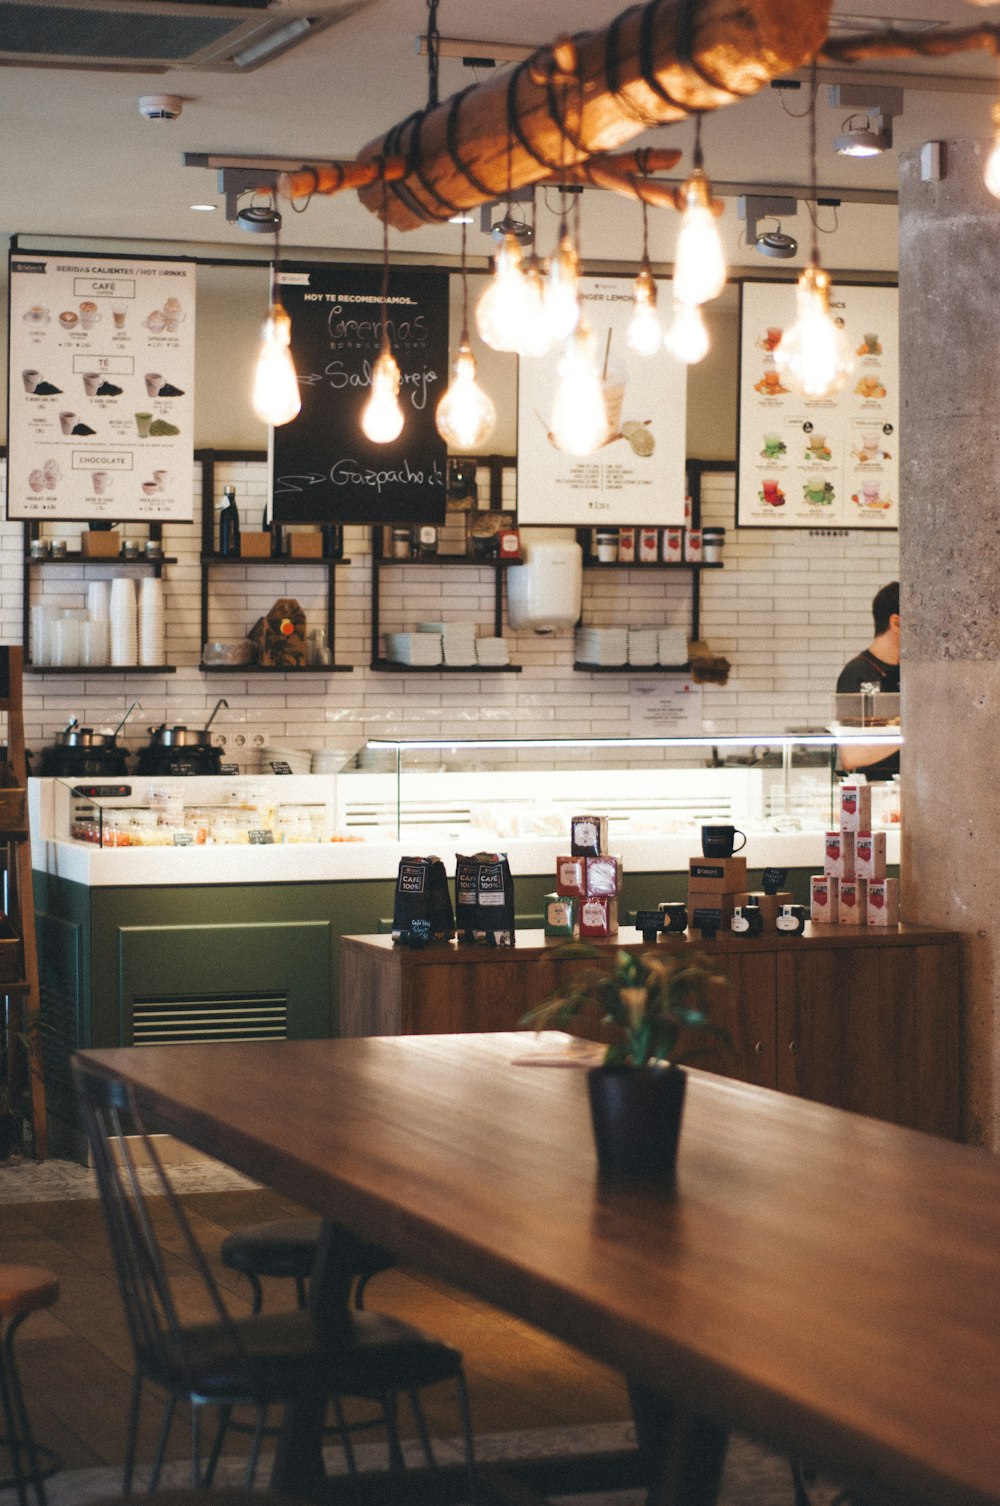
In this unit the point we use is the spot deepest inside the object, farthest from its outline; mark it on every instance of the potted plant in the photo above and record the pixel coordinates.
(659, 1009)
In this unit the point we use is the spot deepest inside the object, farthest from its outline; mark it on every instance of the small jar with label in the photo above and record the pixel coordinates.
(401, 544)
(626, 546)
(427, 541)
(673, 545)
(693, 547)
(712, 541)
(606, 545)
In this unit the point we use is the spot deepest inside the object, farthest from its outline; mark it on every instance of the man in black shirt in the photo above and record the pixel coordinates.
(877, 666)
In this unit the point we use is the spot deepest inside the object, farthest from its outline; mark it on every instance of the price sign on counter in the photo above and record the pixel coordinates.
(324, 468)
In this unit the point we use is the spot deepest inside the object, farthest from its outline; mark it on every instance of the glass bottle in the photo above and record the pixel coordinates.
(229, 524)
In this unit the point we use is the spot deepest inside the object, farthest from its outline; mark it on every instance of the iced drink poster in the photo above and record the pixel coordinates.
(636, 474)
(101, 389)
(830, 462)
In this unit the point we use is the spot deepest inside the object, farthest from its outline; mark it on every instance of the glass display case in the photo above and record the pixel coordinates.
(491, 790)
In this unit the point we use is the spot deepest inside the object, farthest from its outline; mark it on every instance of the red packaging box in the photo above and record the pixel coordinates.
(599, 915)
(824, 899)
(588, 835)
(854, 902)
(869, 855)
(603, 875)
(571, 876)
(883, 902)
(855, 807)
(839, 859)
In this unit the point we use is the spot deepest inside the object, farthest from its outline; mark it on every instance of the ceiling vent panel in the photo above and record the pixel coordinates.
(153, 36)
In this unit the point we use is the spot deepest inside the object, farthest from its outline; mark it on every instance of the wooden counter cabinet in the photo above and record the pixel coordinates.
(862, 1020)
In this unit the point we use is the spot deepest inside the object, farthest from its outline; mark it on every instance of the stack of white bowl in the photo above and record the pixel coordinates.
(298, 760)
(152, 622)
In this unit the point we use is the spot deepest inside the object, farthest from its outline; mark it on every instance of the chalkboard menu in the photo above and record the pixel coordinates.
(324, 469)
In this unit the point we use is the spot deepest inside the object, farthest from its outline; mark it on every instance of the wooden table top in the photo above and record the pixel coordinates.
(824, 1281)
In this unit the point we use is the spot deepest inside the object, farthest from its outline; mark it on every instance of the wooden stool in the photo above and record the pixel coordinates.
(23, 1289)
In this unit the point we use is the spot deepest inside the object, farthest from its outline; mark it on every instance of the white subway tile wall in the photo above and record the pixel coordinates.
(788, 609)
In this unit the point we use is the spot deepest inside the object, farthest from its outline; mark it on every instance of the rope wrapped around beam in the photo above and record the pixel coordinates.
(656, 63)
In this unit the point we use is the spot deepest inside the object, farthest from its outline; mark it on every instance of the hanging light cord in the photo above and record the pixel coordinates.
(697, 158)
(385, 263)
(813, 168)
(433, 53)
(465, 291)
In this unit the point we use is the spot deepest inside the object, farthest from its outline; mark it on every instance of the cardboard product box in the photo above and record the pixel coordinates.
(571, 876)
(100, 544)
(824, 899)
(883, 902)
(715, 908)
(869, 855)
(255, 546)
(855, 807)
(560, 915)
(839, 859)
(854, 902)
(588, 836)
(305, 546)
(603, 875)
(768, 904)
(599, 915)
(718, 875)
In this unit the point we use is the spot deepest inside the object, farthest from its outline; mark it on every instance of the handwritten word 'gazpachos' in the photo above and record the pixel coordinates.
(349, 472)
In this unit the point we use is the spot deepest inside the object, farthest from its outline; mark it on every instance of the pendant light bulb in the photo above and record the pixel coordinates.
(580, 415)
(699, 265)
(535, 337)
(500, 312)
(645, 333)
(465, 416)
(276, 398)
(687, 339)
(991, 176)
(382, 417)
(812, 356)
(562, 291)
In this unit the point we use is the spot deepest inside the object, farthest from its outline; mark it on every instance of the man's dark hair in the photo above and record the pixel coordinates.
(885, 605)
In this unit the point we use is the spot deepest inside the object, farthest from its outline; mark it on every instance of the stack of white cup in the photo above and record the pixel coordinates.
(95, 632)
(122, 616)
(152, 624)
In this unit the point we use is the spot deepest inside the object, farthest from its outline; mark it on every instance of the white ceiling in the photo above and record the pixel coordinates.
(76, 158)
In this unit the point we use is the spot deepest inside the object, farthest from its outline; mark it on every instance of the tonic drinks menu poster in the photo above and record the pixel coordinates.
(101, 389)
(832, 462)
(636, 475)
(324, 468)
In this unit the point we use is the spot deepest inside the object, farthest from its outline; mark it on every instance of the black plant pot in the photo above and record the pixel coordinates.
(636, 1112)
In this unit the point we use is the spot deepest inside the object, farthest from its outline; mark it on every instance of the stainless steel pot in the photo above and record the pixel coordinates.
(185, 737)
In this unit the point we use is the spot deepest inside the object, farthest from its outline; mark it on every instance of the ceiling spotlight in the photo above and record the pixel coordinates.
(776, 243)
(512, 225)
(863, 141)
(869, 132)
(260, 219)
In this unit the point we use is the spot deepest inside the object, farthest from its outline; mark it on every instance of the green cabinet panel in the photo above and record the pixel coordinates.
(205, 982)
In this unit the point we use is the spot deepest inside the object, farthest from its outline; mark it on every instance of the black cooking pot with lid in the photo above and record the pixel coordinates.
(80, 752)
(181, 750)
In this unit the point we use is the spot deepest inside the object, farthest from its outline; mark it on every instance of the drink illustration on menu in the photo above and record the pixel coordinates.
(103, 428)
(831, 460)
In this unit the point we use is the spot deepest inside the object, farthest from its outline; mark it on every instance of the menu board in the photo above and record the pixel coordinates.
(324, 469)
(829, 462)
(101, 389)
(637, 475)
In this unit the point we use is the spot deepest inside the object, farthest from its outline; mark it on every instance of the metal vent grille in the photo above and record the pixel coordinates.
(152, 37)
(238, 1017)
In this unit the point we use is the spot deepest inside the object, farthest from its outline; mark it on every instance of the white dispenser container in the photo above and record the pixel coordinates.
(545, 593)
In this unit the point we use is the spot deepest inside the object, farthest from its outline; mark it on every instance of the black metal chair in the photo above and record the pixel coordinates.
(24, 1289)
(225, 1362)
(286, 1248)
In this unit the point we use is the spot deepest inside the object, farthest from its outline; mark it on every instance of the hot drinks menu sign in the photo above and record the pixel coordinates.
(101, 379)
(830, 462)
(636, 475)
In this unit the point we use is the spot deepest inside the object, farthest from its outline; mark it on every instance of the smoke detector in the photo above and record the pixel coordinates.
(160, 106)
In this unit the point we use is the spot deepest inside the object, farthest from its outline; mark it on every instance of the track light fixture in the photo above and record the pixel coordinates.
(867, 132)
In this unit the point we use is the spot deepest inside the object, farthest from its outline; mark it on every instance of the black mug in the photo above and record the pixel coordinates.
(720, 841)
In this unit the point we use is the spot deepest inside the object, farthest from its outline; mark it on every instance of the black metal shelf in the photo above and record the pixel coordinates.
(649, 567)
(391, 666)
(446, 560)
(631, 669)
(276, 669)
(76, 558)
(270, 560)
(100, 669)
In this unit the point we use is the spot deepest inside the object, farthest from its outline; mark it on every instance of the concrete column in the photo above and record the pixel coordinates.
(949, 275)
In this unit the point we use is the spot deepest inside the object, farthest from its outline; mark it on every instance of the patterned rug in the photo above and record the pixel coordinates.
(752, 1476)
(56, 1181)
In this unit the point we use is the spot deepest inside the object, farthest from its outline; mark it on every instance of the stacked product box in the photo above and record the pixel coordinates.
(714, 887)
(588, 883)
(853, 888)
